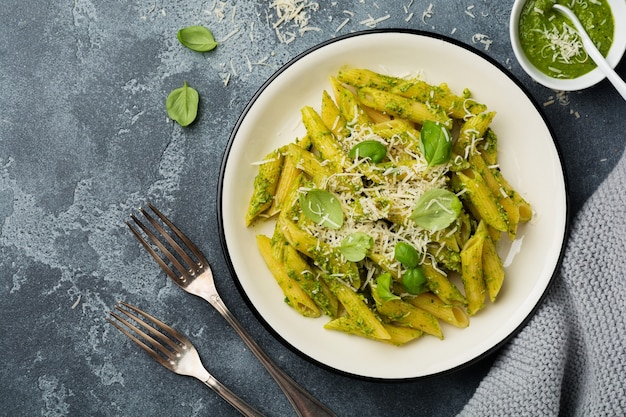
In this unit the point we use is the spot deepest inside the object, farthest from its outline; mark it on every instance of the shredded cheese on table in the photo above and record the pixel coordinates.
(294, 14)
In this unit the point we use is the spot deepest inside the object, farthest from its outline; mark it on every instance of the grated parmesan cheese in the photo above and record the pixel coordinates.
(428, 13)
(483, 39)
(564, 44)
(371, 22)
(368, 209)
(292, 14)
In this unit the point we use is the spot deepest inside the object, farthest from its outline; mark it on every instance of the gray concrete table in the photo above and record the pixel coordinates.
(85, 139)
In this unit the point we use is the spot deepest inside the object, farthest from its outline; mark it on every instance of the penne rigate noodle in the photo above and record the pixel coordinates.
(356, 309)
(406, 314)
(458, 107)
(482, 199)
(310, 281)
(348, 105)
(265, 184)
(325, 257)
(493, 272)
(398, 335)
(322, 138)
(471, 133)
(441, 286)
(294, 294)
(288, 177)
(502, 197)
(402, 107)
(332, 117)
(448, 313)
(472, 271)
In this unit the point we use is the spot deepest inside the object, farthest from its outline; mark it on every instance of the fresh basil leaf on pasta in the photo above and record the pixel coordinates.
(354, 247)
(372, 149)
(436, 209)
(414, 280)
(383, 287)
(322, 207)
(406, 255)
(435, 143)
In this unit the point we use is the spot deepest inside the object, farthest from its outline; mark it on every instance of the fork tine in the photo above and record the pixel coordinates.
(175, 335)
(156, 349)
(192, 247)
(152, 352)
(170, 240)
(177, 277)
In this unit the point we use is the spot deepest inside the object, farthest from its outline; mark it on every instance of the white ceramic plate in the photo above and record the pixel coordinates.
(528, 158)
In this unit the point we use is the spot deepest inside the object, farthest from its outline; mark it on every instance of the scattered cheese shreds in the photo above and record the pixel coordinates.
(292, 14)
(428, 13)
(483, 39)
(371, 22)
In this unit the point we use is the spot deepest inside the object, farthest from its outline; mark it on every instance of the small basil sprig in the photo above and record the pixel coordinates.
(372, 149)
(406, 255)
(436, 209)
(197, 38)
(383, 287)
(354, 247)
(182, 105)
(435, 143)
(414, 280)
(322, 207)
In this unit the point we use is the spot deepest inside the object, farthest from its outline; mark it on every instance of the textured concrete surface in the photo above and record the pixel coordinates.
(85, 139)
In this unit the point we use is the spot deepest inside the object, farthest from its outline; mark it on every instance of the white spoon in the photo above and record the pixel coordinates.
(593, 52)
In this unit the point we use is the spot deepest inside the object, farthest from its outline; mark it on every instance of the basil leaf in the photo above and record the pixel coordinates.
(372, 149)
(322, 207)
(406, 255)
(182, 105)
(414, 280)
(436, 209)
(355, 246)
(383, 287)
(435, 143)
(197, 38)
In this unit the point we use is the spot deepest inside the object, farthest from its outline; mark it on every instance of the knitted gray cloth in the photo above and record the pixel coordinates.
(570, 359)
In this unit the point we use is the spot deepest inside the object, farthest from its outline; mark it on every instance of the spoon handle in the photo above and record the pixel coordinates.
(593, 52)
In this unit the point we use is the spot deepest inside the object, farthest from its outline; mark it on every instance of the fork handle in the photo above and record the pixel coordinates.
(232, 398)
(304, 403)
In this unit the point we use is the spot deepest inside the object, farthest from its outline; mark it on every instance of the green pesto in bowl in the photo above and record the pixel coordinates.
(550, 41)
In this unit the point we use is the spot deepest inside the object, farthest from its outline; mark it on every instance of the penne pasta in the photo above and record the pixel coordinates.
(402, 107)
(310, 281)
(458, 107)
(378, 210)
(448, 313)
(398, 335)
(294, 294)
(265, 185)
(472, 270)
(406, 314)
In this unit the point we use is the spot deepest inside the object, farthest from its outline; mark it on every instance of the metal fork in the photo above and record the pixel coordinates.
(173, 350)
(188, 267)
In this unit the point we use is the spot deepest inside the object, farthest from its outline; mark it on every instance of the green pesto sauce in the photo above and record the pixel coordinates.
(539, 22)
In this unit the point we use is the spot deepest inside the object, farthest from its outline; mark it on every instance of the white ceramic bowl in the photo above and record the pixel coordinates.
(527, 156)
(618, 8)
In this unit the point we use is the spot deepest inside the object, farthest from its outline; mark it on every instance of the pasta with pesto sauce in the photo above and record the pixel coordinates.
(393, 191)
